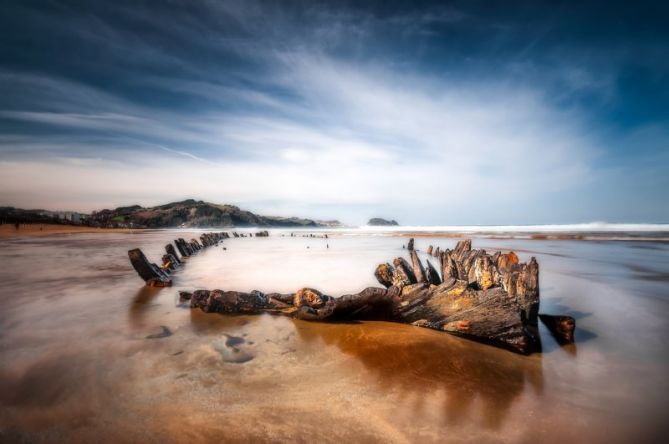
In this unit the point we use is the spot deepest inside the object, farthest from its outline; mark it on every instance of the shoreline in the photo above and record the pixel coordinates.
(31, 230)
(552, 236)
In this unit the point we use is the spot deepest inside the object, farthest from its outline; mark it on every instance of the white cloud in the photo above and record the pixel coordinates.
(356, 135)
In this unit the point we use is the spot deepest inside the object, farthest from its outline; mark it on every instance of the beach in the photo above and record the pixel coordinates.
(10, 230)
(84, 355)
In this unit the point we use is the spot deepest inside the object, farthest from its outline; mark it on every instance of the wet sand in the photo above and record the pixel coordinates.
(10, 230)
(662, 235)
(89, 354)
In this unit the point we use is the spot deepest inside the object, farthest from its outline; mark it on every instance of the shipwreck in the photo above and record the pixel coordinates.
(490, 298)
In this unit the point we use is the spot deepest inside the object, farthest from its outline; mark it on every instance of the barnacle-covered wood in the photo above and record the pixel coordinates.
(403, 274)
(384, 274)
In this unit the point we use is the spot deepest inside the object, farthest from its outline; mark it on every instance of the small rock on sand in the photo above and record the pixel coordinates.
(161, 332)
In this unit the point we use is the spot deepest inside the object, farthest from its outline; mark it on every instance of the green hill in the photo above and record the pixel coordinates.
(192, 213)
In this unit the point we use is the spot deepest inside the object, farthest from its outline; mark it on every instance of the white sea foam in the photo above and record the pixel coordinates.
(592, 227)
(597, 230)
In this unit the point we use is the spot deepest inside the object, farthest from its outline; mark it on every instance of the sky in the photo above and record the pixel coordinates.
(430, 113)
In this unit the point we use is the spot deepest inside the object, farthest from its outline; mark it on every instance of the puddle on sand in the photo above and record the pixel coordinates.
(233, 349)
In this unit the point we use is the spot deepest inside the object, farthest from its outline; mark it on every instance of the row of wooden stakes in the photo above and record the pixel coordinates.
(159, 276)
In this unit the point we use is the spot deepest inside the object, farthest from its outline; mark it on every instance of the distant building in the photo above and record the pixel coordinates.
(70, 216)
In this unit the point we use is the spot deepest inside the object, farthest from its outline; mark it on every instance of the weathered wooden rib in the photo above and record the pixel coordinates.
(492, 299)
(169, 263)
(431, 274)
(169, 249)
(183, 247)
(403, 274)
(561, 327)
(156, 276)
(384, 274)
(151, 273)
(417, 266)
(195, 245)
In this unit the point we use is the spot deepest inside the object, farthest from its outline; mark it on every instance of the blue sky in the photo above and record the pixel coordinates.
(428, 113)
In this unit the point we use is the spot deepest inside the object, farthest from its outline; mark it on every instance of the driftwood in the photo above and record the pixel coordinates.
(492, 299)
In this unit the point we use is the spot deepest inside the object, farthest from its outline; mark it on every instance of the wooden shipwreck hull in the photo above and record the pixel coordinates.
(491, 298)
(159, 276)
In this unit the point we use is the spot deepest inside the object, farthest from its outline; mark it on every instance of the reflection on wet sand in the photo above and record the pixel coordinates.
(581, 334)
(398, 374)
(421, 362)
(141, 302)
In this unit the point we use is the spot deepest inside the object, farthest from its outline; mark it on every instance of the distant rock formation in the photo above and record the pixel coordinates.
(379, 222)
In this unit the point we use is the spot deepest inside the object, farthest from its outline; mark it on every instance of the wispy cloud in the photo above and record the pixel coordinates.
(362, 136)
(234, 103)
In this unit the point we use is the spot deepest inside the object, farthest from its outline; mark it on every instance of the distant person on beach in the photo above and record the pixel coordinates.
(17, 225)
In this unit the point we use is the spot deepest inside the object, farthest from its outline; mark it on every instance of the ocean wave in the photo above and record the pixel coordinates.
(591, 227)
